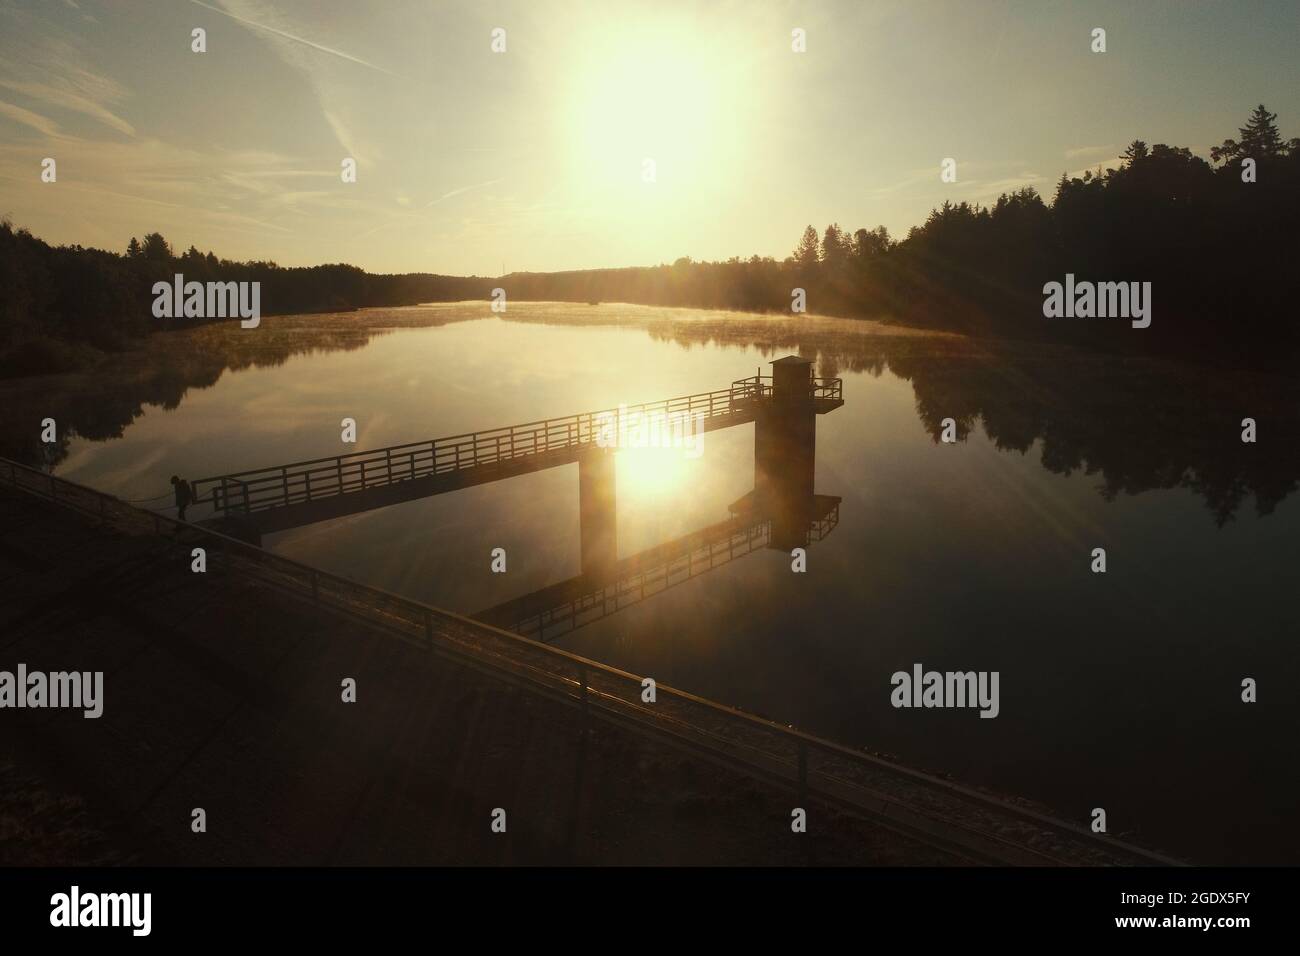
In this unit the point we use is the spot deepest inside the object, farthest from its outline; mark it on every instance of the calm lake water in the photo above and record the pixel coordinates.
(1118, 690)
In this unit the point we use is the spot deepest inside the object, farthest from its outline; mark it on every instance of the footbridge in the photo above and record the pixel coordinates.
(280, 497)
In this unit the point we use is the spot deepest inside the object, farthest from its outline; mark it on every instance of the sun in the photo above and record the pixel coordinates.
(656, 90)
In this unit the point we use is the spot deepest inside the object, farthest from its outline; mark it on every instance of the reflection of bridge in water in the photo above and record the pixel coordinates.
(559, 608)
(781, 512)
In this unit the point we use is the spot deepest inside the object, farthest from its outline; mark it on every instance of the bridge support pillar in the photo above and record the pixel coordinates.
(785, 452)
(597, 501)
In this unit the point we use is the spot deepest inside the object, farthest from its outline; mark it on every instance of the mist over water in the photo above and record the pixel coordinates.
(1118, 690)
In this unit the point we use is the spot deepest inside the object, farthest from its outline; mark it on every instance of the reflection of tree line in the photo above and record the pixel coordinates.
(1140, 424)
(99, 405)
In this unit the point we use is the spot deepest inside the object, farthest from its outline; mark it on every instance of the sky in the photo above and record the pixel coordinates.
(471, 161)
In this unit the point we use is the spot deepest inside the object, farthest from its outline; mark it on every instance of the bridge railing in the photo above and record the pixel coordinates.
(302, 481)
(820, 389)
(764, 748)
(689, 557)
(828, 389)
(711, 548)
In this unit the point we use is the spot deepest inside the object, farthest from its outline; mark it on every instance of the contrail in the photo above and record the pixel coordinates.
(457, 192)
(406, 217)
(290, 36)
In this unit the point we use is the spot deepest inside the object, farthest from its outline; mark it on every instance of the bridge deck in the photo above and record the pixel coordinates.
(287, 496)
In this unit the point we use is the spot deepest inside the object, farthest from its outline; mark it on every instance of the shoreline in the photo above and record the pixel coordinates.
(249, 679)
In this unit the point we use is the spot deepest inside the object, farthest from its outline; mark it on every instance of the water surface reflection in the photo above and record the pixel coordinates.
(1118, 690)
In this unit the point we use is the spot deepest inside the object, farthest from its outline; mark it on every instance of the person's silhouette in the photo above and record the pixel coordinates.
(184, 495)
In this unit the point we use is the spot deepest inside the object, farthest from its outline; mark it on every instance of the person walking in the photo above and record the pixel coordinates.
(184, 495)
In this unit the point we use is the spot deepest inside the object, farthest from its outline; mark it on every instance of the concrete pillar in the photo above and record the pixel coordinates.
(785, 452)
(597, 513)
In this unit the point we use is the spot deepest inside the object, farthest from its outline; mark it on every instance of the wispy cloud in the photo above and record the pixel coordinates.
(54, 69)
(1078, 151)
(297, 197)
(346, 104)
(410, 217)
(930, 175)
(70, 100)
(148, 183)
(365, 155)
(1115, 162)
(988, 191)
(457, 192)
(296, 39)
(913, 178)
(28, 118)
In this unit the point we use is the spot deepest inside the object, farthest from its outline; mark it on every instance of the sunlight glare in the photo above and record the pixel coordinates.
(647, 475)
(661, 92)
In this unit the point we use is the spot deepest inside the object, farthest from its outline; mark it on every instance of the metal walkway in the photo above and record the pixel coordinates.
(285, 496)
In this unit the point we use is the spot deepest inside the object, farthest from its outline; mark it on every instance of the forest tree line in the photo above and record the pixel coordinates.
(60, 306)
(1219, 250)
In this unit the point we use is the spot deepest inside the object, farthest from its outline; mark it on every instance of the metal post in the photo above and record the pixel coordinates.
(388, 463)
(306, 476)
(339, 461)
(803, 774)
(284, 482)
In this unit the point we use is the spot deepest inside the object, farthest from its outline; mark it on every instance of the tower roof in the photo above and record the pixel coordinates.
(792, 360)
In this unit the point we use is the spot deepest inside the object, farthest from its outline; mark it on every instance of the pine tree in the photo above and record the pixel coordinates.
(806, 251)
(133, 250)
(156, 248)
(1259, 140)
(1259, 137)
(1062, 185)
(1136, 152)
(835, 246)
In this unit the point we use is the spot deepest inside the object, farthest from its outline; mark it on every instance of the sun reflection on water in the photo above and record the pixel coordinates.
(651, 474)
